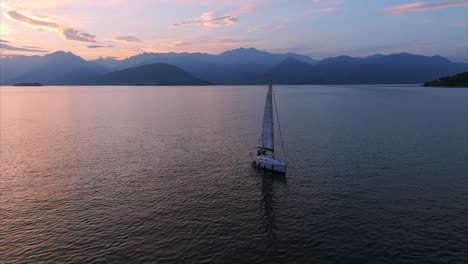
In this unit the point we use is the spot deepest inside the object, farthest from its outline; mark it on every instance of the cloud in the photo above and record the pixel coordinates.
(326, 6)
(245, 9)
(31, 47)
(181, 44)
(210, 19)
(426, 6)
(328, 2)
(327, 10)
(4, 28)
(9, 47)
(66, 32)
(99, 46)
(266, 28)
(126, 39)
(4, 41)
(58, 4)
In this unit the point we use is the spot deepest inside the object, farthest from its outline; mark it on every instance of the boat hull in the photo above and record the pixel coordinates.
(267, 162)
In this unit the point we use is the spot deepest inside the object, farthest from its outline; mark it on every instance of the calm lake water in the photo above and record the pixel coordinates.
(377, 174)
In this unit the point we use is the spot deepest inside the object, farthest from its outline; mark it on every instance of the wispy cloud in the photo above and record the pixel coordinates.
(9, 47)
(4, 41)
(126, 39)
(266, 28)
(327, 9)
(99, 46)
(328, 2)
(426, 6)
(245, 9)
(66, 32)
(210, 19)
(58, 4)
(326, 6)
(181, 44)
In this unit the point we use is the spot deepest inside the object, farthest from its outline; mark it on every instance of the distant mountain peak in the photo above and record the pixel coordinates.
(375, 56)
(244, 51)
(63, 55)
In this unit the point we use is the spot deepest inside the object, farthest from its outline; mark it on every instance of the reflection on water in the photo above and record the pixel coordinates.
(162, 175)
(271, 184)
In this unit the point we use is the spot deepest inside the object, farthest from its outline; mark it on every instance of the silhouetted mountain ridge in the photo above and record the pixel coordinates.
(459, 80)
(55, 68)
(238, 66)
(400, 68)
(149, 74)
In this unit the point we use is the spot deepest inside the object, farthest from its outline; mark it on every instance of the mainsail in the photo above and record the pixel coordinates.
(267, 132)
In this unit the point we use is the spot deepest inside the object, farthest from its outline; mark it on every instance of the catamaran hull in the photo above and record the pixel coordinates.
(269, 163)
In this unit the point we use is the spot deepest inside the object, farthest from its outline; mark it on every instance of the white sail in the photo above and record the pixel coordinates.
(267, 132)
(262, 159)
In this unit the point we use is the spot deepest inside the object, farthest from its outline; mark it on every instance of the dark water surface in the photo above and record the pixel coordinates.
(377, 174)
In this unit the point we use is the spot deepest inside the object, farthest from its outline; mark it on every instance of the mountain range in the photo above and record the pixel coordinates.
(459, 80)
(239, 66)
(149, 74)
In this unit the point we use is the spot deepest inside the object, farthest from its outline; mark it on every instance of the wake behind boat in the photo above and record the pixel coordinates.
(264, 156)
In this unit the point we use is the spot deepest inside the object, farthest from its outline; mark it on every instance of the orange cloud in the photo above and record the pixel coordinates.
(66, 32)
(426, 6)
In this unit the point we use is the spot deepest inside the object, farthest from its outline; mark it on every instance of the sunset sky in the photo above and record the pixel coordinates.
(318, 28)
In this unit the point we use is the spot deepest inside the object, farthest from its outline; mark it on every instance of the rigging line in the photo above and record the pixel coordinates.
(279, 127)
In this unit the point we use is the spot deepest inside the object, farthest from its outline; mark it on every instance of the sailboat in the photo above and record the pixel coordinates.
(264, 156)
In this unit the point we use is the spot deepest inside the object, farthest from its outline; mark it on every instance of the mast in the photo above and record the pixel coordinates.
(267, 131)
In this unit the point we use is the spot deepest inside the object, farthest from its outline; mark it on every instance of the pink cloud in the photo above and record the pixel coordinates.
(210, 19)
(126, 39)
(181, 44)
(66, 32)
(266, 28)
(426, 6)
(326, 6)
(327, 10)
(245, 9)
(328, 2)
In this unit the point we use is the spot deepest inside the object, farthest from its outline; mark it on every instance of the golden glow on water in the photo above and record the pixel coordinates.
(162, 174)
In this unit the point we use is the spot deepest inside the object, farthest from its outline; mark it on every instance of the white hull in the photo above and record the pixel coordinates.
(264, 156)
(267, 162)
